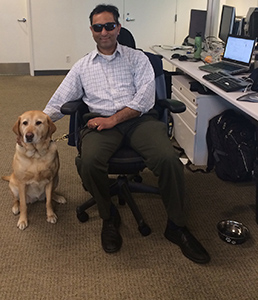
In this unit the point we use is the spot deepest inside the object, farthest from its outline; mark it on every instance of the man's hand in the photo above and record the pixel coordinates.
(101, 123)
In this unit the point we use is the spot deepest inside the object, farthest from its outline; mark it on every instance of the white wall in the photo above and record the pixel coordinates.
(60, 32)
(241, 5)
(58, 46)
(183, 17)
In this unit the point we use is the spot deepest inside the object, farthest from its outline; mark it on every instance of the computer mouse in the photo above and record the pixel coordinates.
(183, 58)
(175, 55)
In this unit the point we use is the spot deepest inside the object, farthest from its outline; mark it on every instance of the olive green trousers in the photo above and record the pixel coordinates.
(146, 135)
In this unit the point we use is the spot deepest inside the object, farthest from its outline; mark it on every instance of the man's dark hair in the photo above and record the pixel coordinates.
(102, 8)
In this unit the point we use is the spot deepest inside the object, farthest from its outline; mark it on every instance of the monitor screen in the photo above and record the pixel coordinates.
(239, 49)
(227, 21)
(253, 25)
(197, 23)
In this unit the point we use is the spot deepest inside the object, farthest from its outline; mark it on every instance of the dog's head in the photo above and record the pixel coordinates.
(34, 126)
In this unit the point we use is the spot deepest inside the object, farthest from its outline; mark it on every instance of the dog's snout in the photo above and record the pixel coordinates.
(29, 137)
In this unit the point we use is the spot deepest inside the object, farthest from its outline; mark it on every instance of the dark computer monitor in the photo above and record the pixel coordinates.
(197, 24)
(253, 25)
(247, 19)
(227, 21)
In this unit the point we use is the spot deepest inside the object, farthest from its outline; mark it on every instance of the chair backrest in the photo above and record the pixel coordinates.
(126, 38)
(156, 62)
(160, 82)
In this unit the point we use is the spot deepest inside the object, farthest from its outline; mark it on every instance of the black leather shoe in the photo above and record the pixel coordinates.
(110, 237)
(190, 247)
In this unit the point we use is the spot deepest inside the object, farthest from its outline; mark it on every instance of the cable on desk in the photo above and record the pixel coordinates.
(249, 86)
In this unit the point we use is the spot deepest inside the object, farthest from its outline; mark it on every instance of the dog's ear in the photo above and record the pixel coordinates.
(51, 126)
(16, 127)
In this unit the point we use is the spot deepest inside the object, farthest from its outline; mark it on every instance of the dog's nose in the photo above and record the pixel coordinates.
(29, 137)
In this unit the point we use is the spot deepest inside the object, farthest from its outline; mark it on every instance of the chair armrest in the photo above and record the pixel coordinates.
(75, 109)
(174, 106)
(71, 107)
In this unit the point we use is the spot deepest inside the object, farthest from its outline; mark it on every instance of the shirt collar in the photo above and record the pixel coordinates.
(96, 53)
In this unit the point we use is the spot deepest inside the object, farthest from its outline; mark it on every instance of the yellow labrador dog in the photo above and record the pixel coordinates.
(35, 165)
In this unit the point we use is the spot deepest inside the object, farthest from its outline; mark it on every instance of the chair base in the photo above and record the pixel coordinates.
(123, 188)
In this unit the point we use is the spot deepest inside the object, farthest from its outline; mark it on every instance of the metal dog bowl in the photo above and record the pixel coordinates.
(232, 232)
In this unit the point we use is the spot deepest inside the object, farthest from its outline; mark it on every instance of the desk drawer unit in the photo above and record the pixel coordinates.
(190, 114)
(191, 126)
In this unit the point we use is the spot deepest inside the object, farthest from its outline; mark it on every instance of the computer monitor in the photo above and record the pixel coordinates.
(197, 24)
(247, 19)
(227, 21)
(253, 25)
(238, 28)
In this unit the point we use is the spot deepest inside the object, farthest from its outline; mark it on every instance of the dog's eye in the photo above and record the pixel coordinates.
(38, 122)
(25, 123)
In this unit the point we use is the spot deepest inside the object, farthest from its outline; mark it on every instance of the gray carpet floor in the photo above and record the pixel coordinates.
(66, 261)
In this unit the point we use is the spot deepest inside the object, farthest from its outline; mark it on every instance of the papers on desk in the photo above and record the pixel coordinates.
(250, 97)
(176, 47)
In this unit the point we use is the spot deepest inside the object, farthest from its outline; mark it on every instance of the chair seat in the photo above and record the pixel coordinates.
(126, 161)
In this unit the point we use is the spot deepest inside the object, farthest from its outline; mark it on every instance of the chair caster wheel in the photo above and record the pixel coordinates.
(137, 178)
(121, 200)
(82, 216)
(144, 229)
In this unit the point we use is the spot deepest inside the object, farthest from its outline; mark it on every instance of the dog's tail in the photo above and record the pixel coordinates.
(6, 178)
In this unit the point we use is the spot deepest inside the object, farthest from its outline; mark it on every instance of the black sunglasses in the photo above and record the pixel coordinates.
(108, 26)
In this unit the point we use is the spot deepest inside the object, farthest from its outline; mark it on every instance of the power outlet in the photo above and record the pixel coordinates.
(68, 58)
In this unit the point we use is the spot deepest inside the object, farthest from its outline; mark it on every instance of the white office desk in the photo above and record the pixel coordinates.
(191, 69)
(191, 126)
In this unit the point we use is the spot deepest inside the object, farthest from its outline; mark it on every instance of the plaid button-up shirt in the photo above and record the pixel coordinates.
(107, 84)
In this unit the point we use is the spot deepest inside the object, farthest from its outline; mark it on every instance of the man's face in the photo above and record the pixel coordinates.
(106, 40)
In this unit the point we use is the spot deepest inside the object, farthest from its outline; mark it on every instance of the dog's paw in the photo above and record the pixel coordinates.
(15, 210)
(22, 224)
(52, 218)
(59, 199)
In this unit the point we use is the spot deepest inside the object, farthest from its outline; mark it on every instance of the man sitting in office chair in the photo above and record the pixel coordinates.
(118, 83)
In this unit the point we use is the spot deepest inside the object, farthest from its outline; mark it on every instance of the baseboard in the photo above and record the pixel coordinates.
(14, 68)
(50, 72)
(24, 69)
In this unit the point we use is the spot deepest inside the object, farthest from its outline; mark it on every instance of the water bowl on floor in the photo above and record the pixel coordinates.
(233, 232)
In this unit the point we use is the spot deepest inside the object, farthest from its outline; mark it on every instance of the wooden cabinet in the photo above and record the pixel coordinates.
(191, 126)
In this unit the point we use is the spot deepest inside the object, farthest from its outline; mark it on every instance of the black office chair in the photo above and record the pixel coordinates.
(126, 38)
(125, 161)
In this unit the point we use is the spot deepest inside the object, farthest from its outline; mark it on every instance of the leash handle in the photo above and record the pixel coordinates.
(62, 138)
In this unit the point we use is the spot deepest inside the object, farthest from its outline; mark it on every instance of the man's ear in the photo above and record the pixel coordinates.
(119, 28)
(91, 29)
(51, 126)
(16, 127)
